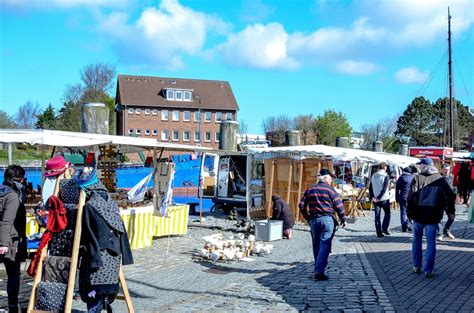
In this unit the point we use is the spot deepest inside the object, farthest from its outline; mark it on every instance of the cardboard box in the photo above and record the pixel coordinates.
(268, 230)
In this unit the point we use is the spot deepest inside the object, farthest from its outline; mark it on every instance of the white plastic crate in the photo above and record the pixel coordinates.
(268, 230)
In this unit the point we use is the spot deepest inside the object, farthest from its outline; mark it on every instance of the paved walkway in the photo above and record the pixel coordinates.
(366, 274)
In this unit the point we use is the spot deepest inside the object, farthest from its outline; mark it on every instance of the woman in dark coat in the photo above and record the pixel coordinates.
(12, 230)
(282, 212)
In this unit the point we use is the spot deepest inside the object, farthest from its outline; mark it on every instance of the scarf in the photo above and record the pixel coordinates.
(83, 179)
(57, 221)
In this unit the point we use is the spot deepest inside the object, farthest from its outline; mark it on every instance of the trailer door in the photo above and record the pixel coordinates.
(208, 175)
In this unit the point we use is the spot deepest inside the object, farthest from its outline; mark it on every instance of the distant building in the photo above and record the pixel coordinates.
(357, 140)
(169, 109)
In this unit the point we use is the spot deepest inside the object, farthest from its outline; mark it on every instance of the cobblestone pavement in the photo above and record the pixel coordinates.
(366, 274)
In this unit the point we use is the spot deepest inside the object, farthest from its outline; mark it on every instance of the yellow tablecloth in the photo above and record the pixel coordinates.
(142, 225)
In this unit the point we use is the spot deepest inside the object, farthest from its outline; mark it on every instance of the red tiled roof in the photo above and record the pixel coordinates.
(149, 91)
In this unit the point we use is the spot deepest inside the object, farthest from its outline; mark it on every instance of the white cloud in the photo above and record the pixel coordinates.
(409, 75)
(420, 22)
(49, 4)
(353, 67)
(161, 36)
(259, 46)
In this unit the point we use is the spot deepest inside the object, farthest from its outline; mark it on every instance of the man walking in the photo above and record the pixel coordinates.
(429, 196)
(446, 173)
(401, 195)
(318, 205)
(379, 194)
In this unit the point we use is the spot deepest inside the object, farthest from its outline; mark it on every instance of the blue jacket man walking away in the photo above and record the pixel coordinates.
(318, 205)
(401, 196)
(429, 196)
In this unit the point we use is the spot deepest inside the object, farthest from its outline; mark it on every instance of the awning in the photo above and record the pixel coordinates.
(74, 139)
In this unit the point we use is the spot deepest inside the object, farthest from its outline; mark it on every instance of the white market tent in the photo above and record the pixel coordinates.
(74, 139)
(340, 154)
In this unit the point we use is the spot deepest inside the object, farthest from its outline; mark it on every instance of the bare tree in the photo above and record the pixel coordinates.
(27, 115)
(306, 124)
(279, 123)
(73, 93)
(6, 120)
(98, 79)
(243, 126)
(381, 130)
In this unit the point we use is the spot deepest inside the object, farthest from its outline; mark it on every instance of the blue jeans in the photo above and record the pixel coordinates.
(403, 215)
(322, 232)
(385, 205)
(430, 254)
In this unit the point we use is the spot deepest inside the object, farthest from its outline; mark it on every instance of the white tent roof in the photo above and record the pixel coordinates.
(344, 154)
(73, 139)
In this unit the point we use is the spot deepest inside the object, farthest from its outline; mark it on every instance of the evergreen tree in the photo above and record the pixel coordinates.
(47, 119)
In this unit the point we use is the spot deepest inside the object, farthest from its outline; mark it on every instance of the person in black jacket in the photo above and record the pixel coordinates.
(429, 197)
(12, 230)
(401, 196)
(282, 212)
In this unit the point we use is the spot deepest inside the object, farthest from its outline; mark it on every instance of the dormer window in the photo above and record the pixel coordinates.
(187, 96)
(169, 94)
(178, 95)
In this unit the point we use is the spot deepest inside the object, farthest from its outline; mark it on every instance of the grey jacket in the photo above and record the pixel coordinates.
(12, 221)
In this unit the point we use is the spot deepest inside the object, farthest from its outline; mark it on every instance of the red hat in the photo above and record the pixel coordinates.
(55, 166)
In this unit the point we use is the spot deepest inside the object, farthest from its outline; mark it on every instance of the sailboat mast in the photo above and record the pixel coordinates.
(450, 69)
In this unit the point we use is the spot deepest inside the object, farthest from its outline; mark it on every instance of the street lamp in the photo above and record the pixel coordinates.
(200, 119)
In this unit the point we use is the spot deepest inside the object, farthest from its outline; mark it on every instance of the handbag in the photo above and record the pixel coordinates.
(51, 296)
(61, 243)
(56, 269)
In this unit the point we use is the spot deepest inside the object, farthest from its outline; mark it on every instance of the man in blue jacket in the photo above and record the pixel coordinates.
(401, 196)
(429, 196)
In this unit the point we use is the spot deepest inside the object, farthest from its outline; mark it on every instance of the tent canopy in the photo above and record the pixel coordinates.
(340, 154)
(73, 139)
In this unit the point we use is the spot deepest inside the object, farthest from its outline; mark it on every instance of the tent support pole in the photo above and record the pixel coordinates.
(42, 163)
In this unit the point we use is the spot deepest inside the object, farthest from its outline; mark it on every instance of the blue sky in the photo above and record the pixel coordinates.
(367, 58)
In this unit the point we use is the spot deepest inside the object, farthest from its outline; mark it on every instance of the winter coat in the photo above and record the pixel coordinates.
(13, 220)
(379, 185)
(430, 196)
(403, 187)
(282, 212)
(106, 244)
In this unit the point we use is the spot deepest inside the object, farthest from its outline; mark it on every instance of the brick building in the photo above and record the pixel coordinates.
(169, 109)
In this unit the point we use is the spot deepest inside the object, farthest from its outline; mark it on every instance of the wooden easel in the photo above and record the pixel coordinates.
(73, 265)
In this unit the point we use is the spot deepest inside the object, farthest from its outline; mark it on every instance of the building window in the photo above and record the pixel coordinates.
(187, 95)
(186, 136)
(130, 131)
(164, 135)
(208, 117)
(175, 135)
(138, 131)
(186, 116)
(154, 112)
(164, 115)
(218, 137)
(175, 115)
(138, 111)
(207, 136)
(196, 136)
(229, 116)
(155, 132)
(147, 132)
(178, 95)
(169, 94)
(130, 111)
(197, 116)
(147, 111)
(218, 117)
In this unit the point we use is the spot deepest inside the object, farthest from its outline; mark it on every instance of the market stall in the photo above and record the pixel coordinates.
(288, 171)
(143, 222)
